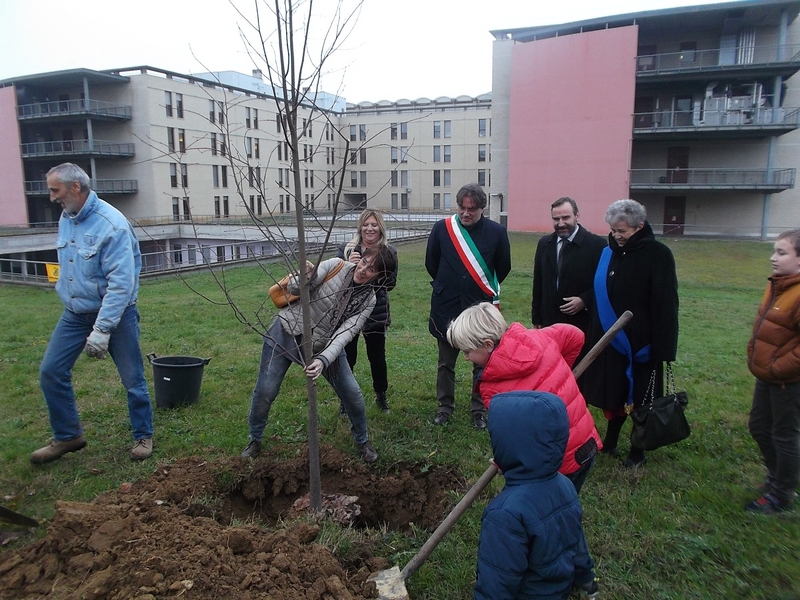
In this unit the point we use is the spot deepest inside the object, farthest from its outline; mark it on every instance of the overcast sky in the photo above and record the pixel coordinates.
(398, 48)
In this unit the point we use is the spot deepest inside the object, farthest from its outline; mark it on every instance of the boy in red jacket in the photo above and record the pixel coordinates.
(515, 358)
(773, 356)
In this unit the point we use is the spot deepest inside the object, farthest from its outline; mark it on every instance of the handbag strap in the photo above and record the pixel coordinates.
(670, 379)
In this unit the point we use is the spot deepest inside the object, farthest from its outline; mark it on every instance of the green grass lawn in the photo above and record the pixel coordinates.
(673, 529)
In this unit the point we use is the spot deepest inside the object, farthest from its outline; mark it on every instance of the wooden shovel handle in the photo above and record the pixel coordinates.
(460, 508)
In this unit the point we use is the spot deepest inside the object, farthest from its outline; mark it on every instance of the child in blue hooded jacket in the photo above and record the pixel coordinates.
(531, 543)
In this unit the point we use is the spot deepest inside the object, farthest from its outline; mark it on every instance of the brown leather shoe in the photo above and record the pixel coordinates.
(56, 449)
(142, 449)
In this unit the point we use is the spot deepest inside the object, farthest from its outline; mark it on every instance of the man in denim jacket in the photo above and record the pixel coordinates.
(99, 264)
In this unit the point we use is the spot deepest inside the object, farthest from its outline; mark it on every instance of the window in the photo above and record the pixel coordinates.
(688, 51)
(394, 154)
(192, 251)
(184, 175)
(255, 118)
(187, 213)
(223, 148)
(481, 152)
(352, 133)
(179, 105)
(446, 199)
(353, 157)
(213, 144)
(310, 153)
(393, 131)
(394, 178)
(211, 111)
(220, 253)
(225, 212)
(482, 177)
(305, 130)
(353, 178)
(404, 178)
(247, 117)
(403, 131)
(216, 207)
(437, 178)
(446, 177)
(224, 176)
(447, 129)
(403, 201)
(182, 140)
(311, 177)
(280, 154)
(221, 111)
(215, 175)
(176, 209)
(252, 203)
(259, 202)
(362, 133)
(305, 178)
(394, 201)
(447, 154)
(437, 154)
(250, 176)
(280, 198)
(362, 155)
(168, 103)
(437, 129)
(437, 201)
(170, 139)
(177, 253)
(278, 122)
(403, 153)
(248, 146)
(258, 177)
(363, 178)
(481, 127)
(257, 151)
(173, 175)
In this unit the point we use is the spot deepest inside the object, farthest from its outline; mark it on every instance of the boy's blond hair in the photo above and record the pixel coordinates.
(475, 325)
(793, 235)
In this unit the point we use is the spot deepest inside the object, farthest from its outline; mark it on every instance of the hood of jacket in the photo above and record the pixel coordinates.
(529, 432)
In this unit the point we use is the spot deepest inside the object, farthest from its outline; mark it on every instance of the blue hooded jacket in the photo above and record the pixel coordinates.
(531, 542)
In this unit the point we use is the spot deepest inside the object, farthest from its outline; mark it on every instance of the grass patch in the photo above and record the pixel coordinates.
(674, 529)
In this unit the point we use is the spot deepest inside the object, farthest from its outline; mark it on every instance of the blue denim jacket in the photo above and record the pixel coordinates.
(99, 262)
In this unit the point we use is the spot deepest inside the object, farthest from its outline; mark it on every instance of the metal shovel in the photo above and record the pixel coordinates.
(391, 583)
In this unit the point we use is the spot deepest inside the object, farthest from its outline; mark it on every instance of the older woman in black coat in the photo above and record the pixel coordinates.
(635, 273)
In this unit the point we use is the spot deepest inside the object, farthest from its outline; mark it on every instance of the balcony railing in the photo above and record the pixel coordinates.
(62, 108)
(716, 58)
(713, 179)
(101, 186)
(90, 147)
(781, 118)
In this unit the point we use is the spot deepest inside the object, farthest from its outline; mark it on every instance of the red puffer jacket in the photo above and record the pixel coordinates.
(541, 360)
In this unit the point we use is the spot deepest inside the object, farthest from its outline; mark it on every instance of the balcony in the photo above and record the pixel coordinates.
(101, 186)
(750, 62)
(748, 123)
(69, 109)
(63, 148)
(764, 180)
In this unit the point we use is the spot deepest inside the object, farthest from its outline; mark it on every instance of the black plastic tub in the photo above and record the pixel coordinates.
(177, 379)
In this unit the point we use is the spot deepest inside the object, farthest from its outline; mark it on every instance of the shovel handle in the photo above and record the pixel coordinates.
(416, 562)
(448, 523)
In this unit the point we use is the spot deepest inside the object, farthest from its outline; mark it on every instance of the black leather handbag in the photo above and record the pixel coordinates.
(660, 421)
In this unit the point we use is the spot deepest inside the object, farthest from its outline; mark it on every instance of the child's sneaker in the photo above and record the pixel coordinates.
(588, 591)
(766, 505)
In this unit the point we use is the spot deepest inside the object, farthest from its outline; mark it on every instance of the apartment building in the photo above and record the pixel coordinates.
(692, 111)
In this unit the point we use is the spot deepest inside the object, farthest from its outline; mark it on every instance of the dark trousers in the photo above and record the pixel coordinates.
(775, 426)
(375, 342)
(446, 381)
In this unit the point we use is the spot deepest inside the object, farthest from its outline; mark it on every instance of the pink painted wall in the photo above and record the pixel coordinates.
(571, 125)
(13, 208)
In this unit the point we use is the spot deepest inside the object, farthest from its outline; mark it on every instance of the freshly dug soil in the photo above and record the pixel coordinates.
(233, 528)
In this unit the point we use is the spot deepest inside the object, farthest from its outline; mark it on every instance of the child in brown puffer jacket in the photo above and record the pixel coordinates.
(773, 356)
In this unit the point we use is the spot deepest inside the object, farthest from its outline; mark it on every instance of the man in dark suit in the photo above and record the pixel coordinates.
(563, 269)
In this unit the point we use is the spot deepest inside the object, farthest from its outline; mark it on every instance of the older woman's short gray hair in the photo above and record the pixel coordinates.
(630, 211)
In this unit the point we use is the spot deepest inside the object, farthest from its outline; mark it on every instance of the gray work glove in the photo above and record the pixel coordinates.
(97, 344)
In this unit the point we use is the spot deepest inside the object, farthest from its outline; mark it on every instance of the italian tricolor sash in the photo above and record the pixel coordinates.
(472, 259)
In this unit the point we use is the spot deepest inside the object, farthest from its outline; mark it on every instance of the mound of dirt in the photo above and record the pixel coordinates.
(203, 529)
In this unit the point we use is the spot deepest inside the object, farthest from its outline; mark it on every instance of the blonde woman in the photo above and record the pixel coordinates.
(371, 235)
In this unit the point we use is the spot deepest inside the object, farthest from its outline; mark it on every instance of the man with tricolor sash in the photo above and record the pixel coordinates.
(468, 257)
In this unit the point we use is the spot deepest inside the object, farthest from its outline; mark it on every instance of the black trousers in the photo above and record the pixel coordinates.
(376, 354)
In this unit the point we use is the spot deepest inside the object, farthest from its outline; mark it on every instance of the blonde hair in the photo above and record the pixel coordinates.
(475, 325)
(356, 241)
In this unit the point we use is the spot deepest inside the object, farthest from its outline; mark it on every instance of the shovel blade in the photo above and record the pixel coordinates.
(390, 584)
